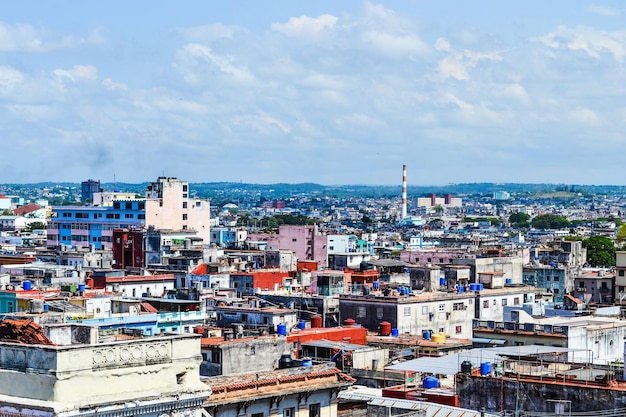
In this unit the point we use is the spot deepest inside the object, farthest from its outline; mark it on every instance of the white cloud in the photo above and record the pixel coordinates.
(111, 85)
(442, 44)
(603, 10)
(395, 45)
(78, 72)
(10, 78)
(312, 28)
(208, 33)
(360, 119)
(458, 64)
(192, 54)
(592, 41)
(584, 116)
(27, 38)
(263, 123)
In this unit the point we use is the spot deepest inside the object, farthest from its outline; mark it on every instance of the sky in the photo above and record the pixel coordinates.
(324, 91)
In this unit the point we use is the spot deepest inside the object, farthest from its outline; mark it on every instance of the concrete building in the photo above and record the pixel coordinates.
(88, 188)
(169, 206)
(233, 354)
(620, 278)
(305, 241)
(594, 286)
(556, 280)
(68, 373)
(84, 226)
(449, 313)
(591, 339)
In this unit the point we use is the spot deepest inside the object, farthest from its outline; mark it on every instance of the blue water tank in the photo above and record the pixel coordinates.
(45, 307)
(307, 362)
(479, 287)
(460, 288)
(473, 287)
(442, 281)
(395, 332)
(301, 325)
(430, 382)
(281, 329)
(485, 368)
(426, 334)
(375, 285)
(27, 285)
(81, 288)
(508, 281)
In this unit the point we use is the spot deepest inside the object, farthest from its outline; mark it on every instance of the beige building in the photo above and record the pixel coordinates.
(304, 391)
(168, 206)
(68, 372)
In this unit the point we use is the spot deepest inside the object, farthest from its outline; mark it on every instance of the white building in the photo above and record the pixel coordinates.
(80, 377)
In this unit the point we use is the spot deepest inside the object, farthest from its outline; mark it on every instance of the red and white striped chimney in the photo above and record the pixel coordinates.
(404, 191)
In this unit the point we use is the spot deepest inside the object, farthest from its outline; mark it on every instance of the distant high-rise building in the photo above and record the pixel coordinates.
(88, 188)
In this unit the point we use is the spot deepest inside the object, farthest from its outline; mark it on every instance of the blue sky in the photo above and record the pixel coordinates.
(333, 92)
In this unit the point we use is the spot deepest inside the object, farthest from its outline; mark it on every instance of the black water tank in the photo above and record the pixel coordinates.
(285, 361)
(466, 367)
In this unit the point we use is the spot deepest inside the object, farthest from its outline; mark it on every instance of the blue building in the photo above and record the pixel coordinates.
(553, 279)
(82, 226)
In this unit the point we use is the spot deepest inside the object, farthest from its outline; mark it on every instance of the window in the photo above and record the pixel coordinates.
(289, 412)
(360, 312)
(516, 301)
(184, 204)
(458, 306)
(116, 205)
(128, 215)
(621, 273)
(424, 310)
(184, 216)
(458, 329)
(215, 356)
(142, 206)
(407, 311)
(504, 302)
(294, 240)
(486, 304)
(379, 313)
(129, 205)
(184, 188)
(314, 410)
(442, 307)
(495, 302)
(141, 216)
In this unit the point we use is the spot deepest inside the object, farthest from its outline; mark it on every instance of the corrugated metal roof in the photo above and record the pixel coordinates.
(431, 409)
(451, 364)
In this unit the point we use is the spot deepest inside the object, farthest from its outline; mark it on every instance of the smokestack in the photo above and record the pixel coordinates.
(404, 191)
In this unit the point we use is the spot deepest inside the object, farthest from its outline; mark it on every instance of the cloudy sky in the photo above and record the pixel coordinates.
(326, 91)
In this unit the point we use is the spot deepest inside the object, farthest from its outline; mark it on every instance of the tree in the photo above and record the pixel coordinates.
(35, 226)
(519, 219)
(621, 235)
(550, 221)
(600, 251)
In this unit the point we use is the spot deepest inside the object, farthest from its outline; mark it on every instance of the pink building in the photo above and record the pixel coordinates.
(434, 256)
(305, 241)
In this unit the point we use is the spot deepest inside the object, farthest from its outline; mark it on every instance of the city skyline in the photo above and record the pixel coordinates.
(323, 92)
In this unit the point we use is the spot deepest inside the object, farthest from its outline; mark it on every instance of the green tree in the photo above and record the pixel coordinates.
(621, 235)
(35, 226)
(600, 251)
(550, 221)
(519, 219)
